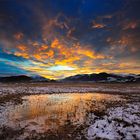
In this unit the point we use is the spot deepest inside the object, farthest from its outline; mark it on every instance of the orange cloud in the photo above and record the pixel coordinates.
(24, 55)
(18, 36)
(97, 25)
(43, 47)
(124, 43)
(22, 48)
(130, 25)
(22, 51)
(57, 53)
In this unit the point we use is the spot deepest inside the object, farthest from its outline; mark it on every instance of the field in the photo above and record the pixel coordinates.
(49, 88)
(69, 111)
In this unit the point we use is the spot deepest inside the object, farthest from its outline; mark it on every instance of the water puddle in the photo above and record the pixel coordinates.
(55, 112)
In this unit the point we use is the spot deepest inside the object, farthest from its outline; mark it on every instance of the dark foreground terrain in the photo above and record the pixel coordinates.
(58, 111)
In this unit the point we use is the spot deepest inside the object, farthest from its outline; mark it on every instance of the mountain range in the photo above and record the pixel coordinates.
(104, 77)
(101, 77)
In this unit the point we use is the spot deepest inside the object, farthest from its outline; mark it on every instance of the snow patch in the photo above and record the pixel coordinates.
(119, 123)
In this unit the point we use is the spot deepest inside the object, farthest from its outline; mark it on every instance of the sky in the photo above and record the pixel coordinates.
(60, 38)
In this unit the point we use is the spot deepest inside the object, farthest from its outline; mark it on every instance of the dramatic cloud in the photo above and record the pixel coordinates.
(60, 38)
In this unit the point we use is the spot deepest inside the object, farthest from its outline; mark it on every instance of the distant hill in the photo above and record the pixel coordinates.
(20, 78)
(104, 77)
(24, 78)
(101, 77)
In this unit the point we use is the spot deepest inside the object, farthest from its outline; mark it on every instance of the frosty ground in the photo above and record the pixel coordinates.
(119, 120)
(48, 88)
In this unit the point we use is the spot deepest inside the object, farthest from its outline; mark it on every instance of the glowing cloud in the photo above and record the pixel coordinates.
(60, 68)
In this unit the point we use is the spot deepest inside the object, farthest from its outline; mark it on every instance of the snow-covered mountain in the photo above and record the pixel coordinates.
(104, 77)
